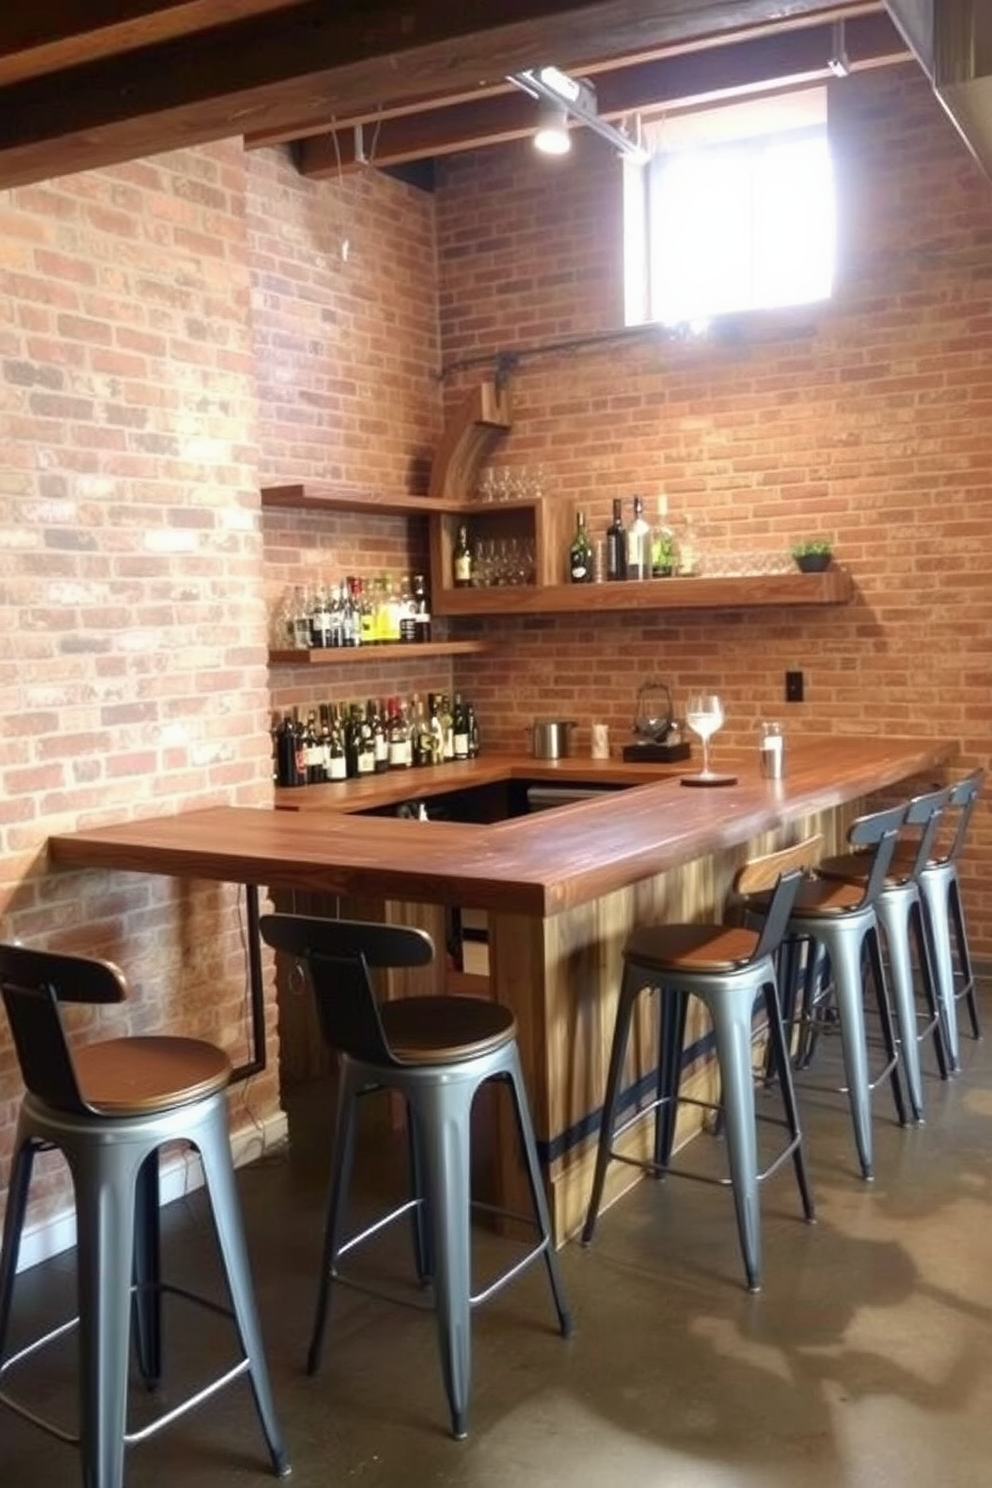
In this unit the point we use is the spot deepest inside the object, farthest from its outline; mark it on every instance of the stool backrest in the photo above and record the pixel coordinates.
(337, 955)
(880, 830)
(782, 872)
(963, 798)
(925, 812)
(33, 984)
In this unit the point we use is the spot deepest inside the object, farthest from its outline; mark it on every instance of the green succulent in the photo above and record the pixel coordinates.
(812, 547)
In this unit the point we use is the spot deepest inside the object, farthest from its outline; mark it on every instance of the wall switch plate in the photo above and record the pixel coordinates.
(794, 687)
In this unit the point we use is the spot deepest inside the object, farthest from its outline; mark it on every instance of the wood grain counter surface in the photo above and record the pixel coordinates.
(537, 865)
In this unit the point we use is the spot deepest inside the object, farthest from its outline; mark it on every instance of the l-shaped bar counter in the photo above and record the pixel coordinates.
(561, 889)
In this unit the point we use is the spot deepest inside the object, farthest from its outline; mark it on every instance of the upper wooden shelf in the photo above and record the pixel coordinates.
(318, 496)
(831, 587)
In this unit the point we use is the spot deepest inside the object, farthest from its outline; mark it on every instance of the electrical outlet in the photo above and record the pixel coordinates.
(794, 687)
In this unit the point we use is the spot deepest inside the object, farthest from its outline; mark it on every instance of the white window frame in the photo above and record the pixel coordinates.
(686, 142)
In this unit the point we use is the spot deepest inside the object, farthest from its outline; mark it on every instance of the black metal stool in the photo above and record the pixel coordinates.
(728, 968)
(436, 1052)
(108, 1107)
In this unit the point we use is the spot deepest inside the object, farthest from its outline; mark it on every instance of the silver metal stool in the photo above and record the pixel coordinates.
(108, 1107)
(941, 890)
(837, 920)
(728, 968)
(906, 926)
(436, 1052)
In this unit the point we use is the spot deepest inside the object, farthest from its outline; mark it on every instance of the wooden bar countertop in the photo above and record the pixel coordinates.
(539, 864)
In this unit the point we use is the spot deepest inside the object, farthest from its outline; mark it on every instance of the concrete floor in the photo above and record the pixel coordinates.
(865, 1361)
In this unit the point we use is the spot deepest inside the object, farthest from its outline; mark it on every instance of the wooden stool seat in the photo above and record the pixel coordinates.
(713, 948)
(136, 1076)
(442, 1030)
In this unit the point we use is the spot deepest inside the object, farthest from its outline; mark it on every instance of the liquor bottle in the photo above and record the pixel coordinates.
(447, 728)
(462, 559)
(421, 609)
(459, 728)
(301, 618)
(638, 544)
(351, 629)
(580, 556)
(320, 618)
(366, 613)
(616, 544)
(335, 628)
(407, 610)
(420, 734)
(351, 740)
(664, 556)
(400, 743)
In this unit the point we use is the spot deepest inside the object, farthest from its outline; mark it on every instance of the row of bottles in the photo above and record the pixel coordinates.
(637, 551)
(355, 612)
(343, 741)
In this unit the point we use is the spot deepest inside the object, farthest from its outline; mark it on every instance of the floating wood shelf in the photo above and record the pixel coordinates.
(350, 655)
(323, 497)
(747, 592)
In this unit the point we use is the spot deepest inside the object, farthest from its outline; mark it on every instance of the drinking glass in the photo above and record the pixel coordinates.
(704, 715)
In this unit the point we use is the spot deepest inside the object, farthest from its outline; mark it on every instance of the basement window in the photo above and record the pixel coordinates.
(734, 212)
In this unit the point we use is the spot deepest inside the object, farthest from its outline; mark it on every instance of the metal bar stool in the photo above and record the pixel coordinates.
(837, 920)
(728, 968)
(108, 1107)
(907, 929)
(941, 890)
(436, 1052)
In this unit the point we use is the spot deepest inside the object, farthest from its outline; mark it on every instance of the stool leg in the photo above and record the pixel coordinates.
(218, 1171)
(845, 951)
(936, 903)
(919, 926)
(13, 1227)
(422, 1252)
(444, 1111)
(964, 957)
(885, 1019)
(629, 993)
(528, 1145)
(893, 915)
(781, 1064)
(731, 1015)
(342, 1157)
(673, 1007)
(146, 1309)
(104, 1193)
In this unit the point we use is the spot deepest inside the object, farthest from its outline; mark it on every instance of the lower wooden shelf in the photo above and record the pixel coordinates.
(350, 655)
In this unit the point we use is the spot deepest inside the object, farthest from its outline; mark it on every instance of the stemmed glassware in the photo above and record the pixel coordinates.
(704, 715)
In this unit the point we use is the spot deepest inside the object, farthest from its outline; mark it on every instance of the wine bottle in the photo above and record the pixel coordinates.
(459, 728)
(462, 559)
(336, 766)
(580, 556)
(616, 544)
(638, 544)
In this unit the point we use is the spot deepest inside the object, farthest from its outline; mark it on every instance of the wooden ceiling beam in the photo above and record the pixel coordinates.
(686, 80)
(308, 61)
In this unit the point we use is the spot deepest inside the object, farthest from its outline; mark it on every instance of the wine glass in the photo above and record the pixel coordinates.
(704, 715)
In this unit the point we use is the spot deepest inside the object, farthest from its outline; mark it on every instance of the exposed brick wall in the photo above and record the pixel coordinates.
(132, 658)
(867, 418)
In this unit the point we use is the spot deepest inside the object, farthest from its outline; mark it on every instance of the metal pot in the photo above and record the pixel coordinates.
(552, 738)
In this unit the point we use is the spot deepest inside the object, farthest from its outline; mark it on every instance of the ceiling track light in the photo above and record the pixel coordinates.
(577, 98)
(552, 136)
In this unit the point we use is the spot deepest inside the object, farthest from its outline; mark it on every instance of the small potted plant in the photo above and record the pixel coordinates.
(813, 555)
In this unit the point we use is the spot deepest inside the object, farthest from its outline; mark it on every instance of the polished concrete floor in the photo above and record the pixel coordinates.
(865, 1361)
